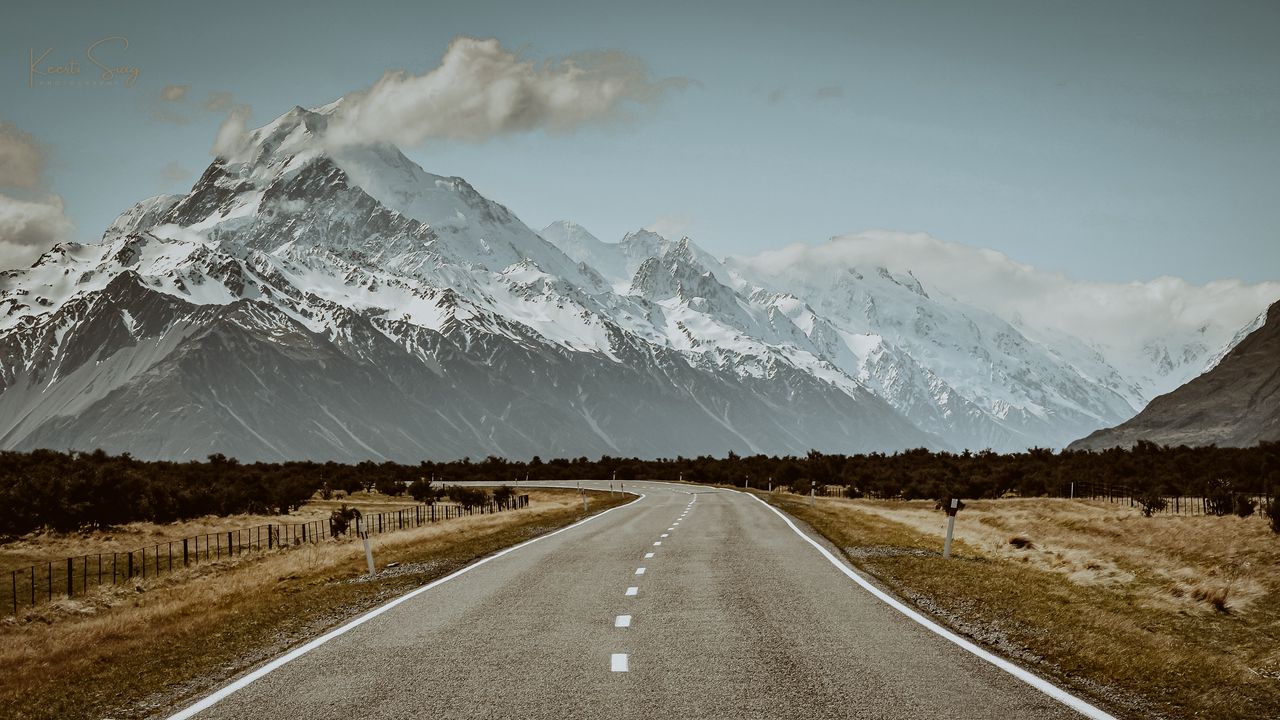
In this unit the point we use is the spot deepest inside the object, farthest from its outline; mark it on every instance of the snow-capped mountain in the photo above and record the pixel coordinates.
(308, 300)
(957, 370)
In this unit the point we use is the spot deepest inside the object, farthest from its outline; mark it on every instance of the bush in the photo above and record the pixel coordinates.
(388, 485)
(1244, 506)
(423, 491)
(340, 520)
(504, 496)
(1152, 502)
(1273, 512)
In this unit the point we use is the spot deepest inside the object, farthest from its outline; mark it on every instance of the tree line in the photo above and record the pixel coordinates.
(70, 491)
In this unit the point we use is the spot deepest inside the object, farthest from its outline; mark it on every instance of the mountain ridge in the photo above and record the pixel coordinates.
(313, 300)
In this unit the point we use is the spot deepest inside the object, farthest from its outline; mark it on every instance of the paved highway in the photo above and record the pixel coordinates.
(687, 603)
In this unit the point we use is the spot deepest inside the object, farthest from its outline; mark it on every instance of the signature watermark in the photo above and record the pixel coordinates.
(99, 60)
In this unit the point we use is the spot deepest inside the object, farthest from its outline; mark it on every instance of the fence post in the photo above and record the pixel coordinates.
(70, 578)
(130, 575)
(14, 577)
(186, 553)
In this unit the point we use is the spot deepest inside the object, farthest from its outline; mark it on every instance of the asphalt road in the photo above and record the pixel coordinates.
(733, 615)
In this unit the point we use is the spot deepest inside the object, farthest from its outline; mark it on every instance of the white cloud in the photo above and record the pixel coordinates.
(30, 227)
(31, 218)
(672, 227)
(233, 132)
(21, 158)
(481, 90)
(173, 172)
(174, 93)
(1120, 316)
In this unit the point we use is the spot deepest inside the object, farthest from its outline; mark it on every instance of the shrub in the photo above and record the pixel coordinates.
(1244, 505)
(423, 491)
(1152, 502)
(503, 496)
(340, 520)
(1273, 512)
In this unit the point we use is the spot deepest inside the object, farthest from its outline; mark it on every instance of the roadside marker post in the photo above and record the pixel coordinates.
(368, 551)
(952, 509)
(813, 493)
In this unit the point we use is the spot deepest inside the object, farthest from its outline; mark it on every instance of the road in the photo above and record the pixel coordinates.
(688, 603)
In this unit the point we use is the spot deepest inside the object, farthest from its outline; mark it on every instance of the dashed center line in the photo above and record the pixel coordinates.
(657, 543)
(618, 662)
(648, 555)
(664, 535)
(639, 571)
(632, 590)
(622, 621)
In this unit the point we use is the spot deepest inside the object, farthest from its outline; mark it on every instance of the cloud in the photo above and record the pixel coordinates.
(30, 227)
(31, 217)
(828, 92)
(21, 158)
(219, 102)
(1120, 317)
(173, 172)
(233, 132)
(174, 93)
(481, 90)
(671, 227)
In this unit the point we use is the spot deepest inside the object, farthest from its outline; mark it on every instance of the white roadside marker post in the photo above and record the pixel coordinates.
(770, 483)
(368, 551)
(951, 527)
(813, 493)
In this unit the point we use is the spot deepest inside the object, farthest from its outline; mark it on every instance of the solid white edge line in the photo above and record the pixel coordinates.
(225, 692)
(1034, 681)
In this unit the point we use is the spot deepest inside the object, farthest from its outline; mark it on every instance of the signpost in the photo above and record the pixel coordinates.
(952, 508)
(368, 551)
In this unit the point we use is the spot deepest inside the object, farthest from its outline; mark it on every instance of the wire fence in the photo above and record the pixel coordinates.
(1210, 503)
(75, 576)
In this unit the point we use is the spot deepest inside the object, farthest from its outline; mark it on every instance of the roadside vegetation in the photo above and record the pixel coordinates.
(131, 651)
(70, 491)
(1169, 616)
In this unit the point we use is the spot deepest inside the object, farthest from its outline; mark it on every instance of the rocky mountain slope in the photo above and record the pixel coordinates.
(312, 301)
(308, 299)
(1235, 403)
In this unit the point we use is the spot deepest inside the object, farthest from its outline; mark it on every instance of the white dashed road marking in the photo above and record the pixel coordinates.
(632, 591)
(648, 555)
(657, 543)
(622, 621)
(618, 663)
(664, 535)
(639, 571)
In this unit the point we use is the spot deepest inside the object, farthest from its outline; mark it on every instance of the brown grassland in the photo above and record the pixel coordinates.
(1166, 616)
(132, 651)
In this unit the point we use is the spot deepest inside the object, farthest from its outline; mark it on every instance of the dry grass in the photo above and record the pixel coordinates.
(1162, 616)
(44, 546)
(186, 632)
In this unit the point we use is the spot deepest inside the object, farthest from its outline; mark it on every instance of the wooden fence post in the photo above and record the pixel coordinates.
(70, 578)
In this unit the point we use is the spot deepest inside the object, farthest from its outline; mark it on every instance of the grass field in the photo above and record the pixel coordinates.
(1151, 617)
(42, 547)
(124, 652)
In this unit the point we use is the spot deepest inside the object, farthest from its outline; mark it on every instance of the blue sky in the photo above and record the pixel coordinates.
(1108, 141)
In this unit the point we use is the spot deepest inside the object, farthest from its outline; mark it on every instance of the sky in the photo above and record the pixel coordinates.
(1105, 141)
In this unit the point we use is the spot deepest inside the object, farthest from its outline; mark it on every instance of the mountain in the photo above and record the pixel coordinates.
(313, 300)
(1236, 402)
(957, 370)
